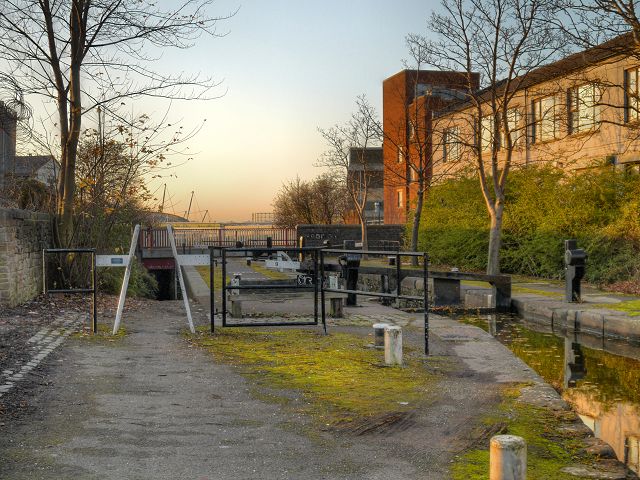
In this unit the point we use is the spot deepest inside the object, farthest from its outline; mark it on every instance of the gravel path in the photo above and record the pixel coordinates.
(149, 406)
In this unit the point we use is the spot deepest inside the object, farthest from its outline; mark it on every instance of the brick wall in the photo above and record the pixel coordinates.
(314, 235)
(23, 235)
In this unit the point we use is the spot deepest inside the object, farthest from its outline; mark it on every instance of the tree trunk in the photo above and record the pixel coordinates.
(495, 240)
(363, 229)
(417, 216)
(65, 204)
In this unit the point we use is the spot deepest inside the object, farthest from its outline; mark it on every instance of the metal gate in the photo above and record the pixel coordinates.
(308, 282)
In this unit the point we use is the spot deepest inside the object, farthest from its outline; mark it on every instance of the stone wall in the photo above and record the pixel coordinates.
(379, 235)
(23, 235)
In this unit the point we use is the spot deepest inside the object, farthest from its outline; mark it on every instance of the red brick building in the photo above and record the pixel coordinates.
(409, 99)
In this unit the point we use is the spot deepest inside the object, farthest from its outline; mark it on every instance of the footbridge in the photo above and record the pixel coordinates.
(155, 253)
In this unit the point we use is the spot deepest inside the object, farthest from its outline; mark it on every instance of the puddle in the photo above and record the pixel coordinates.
(599, 378)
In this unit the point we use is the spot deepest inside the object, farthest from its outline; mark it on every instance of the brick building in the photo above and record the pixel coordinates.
(368, 161)
(575, 113)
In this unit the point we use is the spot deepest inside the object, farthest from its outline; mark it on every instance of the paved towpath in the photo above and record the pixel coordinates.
(149, 406)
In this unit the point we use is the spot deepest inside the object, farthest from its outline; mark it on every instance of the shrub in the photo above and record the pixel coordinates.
(544, 206)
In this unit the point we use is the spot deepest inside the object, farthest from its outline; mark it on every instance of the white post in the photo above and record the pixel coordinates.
(508, 458)
(125, 280)
(393, 345)
(183, 289)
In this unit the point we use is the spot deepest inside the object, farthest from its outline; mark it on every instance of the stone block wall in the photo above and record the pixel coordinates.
(379, 235)
(23, 235)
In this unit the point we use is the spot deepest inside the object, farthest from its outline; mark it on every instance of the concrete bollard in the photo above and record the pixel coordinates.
(378, 334)
(392, 345)
(507, 458)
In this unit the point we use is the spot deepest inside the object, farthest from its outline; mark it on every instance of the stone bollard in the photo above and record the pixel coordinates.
(508, 458)
(378, 334)
(392, 345)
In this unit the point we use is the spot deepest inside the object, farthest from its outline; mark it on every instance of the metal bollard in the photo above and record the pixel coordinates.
(378, 331)
(392, 345)
(507, 458)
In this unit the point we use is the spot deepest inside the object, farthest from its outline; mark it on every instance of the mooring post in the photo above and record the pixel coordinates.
(507, 458)
(393, 345)
(378, 334)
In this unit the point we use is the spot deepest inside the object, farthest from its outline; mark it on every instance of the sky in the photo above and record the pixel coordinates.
(287, 67)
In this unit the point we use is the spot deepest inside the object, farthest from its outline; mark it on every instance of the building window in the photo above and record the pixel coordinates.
(545, 119)
(515, 128)
(413, 173)
(584, 108)
(451, 145)
(400, 154)
(400, 198)
(486, 133)
(631, 99)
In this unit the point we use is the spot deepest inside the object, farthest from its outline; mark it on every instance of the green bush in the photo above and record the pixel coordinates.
(544, 206)
(141, 282)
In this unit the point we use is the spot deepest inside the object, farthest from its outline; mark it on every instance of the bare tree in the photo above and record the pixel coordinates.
(504, 41)
(347, 157)
(319, 201)
(412, 133)
(82, 54)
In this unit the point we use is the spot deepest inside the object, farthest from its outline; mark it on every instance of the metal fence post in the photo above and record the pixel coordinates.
(425, 279)
(224, 288)
(212, 309)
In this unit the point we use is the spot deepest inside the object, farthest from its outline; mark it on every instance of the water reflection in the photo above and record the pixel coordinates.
(599, 378)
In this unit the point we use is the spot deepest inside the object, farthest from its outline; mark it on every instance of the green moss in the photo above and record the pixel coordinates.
(630, 307)
(339, 377)
(217, 276)
(269, 273)
(548, 450)
(104, 333)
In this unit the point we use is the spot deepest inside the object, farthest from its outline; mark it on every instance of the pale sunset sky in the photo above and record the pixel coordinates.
(286, 67)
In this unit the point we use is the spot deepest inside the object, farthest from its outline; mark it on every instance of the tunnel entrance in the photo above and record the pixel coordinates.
(166, 284)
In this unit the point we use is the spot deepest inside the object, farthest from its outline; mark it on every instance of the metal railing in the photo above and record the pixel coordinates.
(254, 236)
(94, 281)
(397, 296)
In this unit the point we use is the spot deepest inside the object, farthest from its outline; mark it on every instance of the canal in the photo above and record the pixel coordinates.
(598, 377)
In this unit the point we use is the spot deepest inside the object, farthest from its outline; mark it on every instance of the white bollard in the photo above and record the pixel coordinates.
(507, 458)
(392, 345)
(378, 334)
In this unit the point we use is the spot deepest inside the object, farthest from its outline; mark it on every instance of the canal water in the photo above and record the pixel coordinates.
(598, 377)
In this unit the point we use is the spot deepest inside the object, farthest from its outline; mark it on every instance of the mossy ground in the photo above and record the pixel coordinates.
(340, 377)
(548, 449)
(104, 333)
(217, 276)
(269, 273)
(630, 307)
(536, 291)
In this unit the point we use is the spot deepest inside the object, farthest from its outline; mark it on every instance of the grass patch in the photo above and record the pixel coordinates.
(536, 291)
(339, 377)
(104, 333)
(269, 273)
(203, 270)
(476, 283)
(630, 307)
(548, 449)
